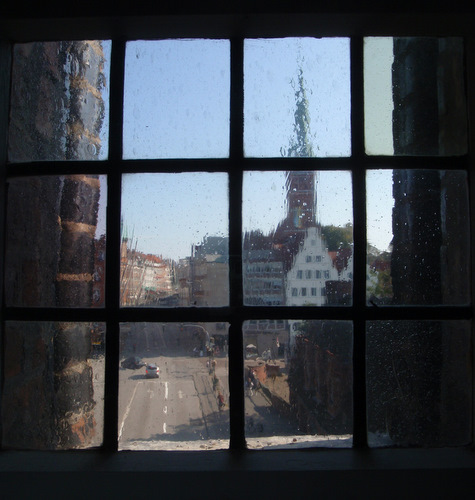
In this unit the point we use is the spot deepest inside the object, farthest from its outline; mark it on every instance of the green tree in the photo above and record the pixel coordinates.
(379, 274)
(338, 237)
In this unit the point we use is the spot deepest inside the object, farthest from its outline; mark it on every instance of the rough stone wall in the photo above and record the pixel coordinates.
(429, 106)
(56, 114)
(48, 397)
(33, 241)
(27, 409)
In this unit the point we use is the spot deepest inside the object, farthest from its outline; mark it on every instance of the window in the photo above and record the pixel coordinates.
(308, 274)
(304, 292)
(295, 292)
(318, 274)
(299, 275)
(314, 292)
(308, 258)
(103, 316)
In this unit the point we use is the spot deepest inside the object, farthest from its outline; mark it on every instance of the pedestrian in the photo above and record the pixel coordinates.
(220, 400)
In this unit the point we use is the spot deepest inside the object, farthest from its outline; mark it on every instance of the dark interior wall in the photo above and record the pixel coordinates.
(237, 485)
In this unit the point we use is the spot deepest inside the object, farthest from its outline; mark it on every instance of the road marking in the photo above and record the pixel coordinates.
(165, 409)
(166, 390)
(180, 394)
(164, 428)
(126, 414)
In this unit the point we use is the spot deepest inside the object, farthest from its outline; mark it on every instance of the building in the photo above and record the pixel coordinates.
(429, 264)
(262, 270)
(263, 279)
(56, 216)
(203, 278)
(311, 270)
(270, 338)
(147, 279)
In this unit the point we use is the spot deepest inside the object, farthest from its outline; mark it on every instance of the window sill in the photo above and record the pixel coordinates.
(396, 472)
(278, 460)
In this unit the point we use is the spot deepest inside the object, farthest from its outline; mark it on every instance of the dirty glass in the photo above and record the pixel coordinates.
(414, 95)
(174, 245)
(298, 383)
(177, 99)
(418, 237)
(173, 386)
(59, 101)
(419, 383)
(297, 97)
(55, 241)
(53, 390)
(297, 238)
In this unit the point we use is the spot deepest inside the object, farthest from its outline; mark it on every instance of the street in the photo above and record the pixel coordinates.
(178, 410)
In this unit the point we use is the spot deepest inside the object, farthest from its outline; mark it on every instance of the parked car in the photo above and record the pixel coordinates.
(152, 371)
(132, 363)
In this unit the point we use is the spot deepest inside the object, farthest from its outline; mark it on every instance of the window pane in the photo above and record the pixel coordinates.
(297, 97)
(53, 392)
(297, 226)
(173, 386)
(415, 97)
(419, 383)
(60, 101)
(55, 246)
(298, 384)
(176, 99)
(418, 235)
(175, 240)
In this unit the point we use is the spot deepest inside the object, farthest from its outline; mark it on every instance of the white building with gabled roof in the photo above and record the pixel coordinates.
(312, 267)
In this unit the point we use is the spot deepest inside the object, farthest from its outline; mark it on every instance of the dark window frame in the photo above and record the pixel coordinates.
(237, 27)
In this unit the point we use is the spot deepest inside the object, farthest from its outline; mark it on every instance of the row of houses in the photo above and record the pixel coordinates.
(146, 279)
(310, 279)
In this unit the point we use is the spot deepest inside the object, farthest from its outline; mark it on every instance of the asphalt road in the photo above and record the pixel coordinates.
(179, 409)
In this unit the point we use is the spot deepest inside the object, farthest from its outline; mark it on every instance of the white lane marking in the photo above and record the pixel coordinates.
(126, 414)
(166, 390)
(164, 428)
(180, 394)
(165, 409)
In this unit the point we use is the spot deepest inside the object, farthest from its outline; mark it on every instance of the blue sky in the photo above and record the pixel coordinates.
(176, 100)
(177, 104)
(168, 213)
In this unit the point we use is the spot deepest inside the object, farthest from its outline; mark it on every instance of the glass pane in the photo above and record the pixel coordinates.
(297, 97)
(176, 99)
(175, 240)
(418, 237)
(173, 386)
(60, 101)
(298, 238)
(53, 392)
(55, 247)
(419, 383)
(414, 96)
(298, 383)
